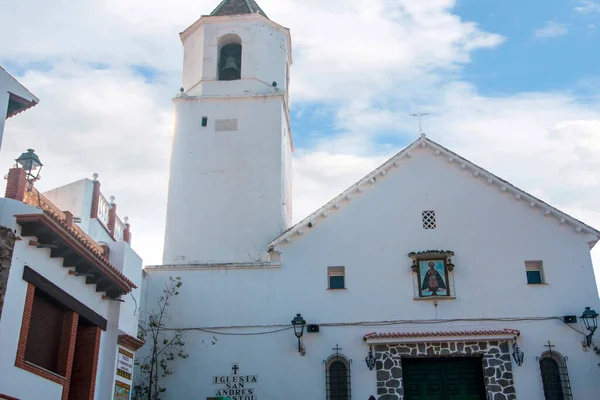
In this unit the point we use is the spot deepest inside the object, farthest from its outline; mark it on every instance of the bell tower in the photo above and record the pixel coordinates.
(230, 174)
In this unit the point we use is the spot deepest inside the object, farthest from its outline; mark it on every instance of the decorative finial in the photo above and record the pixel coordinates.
(112, 199)
(126, 219)
(420, 119)
(95, 176)
(181, 89)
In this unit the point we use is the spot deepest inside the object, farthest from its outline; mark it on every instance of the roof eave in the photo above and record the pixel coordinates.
(25, 104)
(406, 153)
(55, 232)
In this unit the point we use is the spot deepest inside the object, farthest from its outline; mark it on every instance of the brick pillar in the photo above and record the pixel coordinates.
(69, 220)
(16, 184)
(85, 364)
(95, 197)
(67, 349)
(112, 218)
(25, 325)
(127, 233)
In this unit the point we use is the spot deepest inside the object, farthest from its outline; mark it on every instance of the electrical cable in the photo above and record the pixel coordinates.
(216, 329)
(136, 305)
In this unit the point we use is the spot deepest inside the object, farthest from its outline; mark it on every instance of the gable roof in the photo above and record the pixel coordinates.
(236, 7)
(20, 99)
(388, 167)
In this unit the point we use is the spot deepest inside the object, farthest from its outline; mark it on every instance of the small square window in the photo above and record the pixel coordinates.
(534, 271)
(336, 277)
(428, 219)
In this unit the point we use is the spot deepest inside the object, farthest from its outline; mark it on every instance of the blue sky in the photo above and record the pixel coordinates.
(510, 85)
(526, 62)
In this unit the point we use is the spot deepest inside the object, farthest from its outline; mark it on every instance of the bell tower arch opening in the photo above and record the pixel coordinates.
(230, 58)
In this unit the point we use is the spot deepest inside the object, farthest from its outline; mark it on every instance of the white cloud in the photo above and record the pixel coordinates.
(369, 63)
(588, 7)
(550, 30)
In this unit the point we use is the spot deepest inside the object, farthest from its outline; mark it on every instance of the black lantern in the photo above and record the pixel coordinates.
(298, 323)
(31, 163)
(370, 360)
(590, 320)
(517, 354)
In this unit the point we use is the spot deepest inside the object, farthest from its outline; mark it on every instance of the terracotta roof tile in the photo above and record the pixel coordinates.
(403, 335)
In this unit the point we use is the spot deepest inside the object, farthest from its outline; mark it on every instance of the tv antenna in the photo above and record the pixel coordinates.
(420, 119)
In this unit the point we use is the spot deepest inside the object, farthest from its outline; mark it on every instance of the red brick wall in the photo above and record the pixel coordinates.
(16, 184)
(85, 364)
(127, 234)
(95, 200)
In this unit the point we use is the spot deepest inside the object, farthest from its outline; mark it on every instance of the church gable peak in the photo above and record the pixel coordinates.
(237, 7)
(454, 161)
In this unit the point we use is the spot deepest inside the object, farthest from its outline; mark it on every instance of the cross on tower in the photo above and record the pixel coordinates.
(235, 369)
(420, 119)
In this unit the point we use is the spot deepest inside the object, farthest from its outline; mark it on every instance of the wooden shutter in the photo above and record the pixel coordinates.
(45, 334)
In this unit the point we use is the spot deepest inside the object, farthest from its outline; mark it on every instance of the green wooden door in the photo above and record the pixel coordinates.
(443, 378)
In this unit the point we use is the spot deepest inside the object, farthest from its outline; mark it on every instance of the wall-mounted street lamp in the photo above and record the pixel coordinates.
(298, 323)
(590, 320)
(31, 163)
(517, 354)
(370, 360)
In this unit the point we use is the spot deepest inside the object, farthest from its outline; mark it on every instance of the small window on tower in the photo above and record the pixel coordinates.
(337, 277)
(230, 58)
(534, 271)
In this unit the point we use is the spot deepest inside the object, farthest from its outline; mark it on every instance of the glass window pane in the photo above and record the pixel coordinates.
(534, 277)
(336, 282)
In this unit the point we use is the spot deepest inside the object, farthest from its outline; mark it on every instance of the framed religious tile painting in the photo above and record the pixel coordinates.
(433, 278)
(122, 391)
(432, 270)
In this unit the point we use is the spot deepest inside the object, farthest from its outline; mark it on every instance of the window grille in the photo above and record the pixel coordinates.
(428, 219)
(555, 376)
(534, 271)
(337, 377)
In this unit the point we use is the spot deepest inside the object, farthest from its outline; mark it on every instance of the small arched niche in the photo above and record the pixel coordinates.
(229, 67)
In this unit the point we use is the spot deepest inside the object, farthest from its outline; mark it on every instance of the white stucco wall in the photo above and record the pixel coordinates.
(76, 197)
(492, 234)
(225, 187)
(122, 254)
(265, 55)
(4, 97)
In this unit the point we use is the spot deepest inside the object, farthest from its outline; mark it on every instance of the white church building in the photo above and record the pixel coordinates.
(428, 279)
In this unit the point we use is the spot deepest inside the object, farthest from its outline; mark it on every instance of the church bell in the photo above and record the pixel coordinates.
(230, 64)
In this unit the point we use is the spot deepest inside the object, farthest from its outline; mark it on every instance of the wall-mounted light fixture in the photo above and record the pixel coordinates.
(517, 354)
(370, 360)
(590, 320)
(299, 323)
